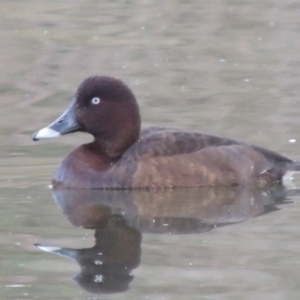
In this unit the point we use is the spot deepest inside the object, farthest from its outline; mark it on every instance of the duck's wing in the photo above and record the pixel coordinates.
(156, 141)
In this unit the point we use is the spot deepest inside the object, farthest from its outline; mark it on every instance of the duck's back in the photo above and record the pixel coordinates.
(159, 141)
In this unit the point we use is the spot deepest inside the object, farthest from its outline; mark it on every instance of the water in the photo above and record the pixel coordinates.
(229, 68)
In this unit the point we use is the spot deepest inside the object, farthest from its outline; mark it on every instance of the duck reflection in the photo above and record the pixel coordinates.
(119, 217)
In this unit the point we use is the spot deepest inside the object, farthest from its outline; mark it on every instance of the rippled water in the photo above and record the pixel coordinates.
(229, 68)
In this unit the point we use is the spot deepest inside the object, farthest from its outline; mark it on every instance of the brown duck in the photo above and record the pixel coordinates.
(124, 156)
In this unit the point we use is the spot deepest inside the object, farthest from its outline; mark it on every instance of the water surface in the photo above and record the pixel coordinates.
(229, 68)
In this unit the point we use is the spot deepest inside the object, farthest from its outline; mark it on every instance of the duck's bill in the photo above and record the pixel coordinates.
(65, 124)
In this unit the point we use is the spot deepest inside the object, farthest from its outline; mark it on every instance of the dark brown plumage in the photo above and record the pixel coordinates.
(123, 156)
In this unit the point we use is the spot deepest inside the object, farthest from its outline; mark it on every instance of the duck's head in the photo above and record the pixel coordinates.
(104, 107)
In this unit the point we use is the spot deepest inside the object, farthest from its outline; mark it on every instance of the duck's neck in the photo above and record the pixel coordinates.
(121, 135)
(115, 147)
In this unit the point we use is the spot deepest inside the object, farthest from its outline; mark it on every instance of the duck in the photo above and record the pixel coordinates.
(123, 155)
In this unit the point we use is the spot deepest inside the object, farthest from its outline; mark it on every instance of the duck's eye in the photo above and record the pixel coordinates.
(95, 100)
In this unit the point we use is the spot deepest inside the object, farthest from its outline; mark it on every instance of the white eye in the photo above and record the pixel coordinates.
(95, 100)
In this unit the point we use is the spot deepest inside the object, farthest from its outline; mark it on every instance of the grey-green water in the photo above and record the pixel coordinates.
(229, 68)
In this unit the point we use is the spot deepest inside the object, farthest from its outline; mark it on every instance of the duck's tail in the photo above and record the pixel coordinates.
(293, 166)
(285, 173)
